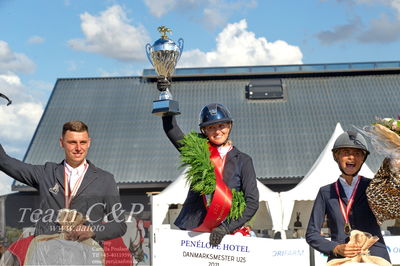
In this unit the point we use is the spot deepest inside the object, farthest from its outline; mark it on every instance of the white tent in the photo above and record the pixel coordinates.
(176, 193)
(323, 172)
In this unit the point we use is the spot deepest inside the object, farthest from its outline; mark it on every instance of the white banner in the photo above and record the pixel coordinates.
(393, 246)
(320, 259)
(176, 247)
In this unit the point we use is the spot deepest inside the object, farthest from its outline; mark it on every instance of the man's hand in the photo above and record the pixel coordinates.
(347, 250)
(217, 234)
(80, 233)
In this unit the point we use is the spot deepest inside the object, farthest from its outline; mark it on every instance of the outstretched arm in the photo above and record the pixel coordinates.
(172, 130)
(23, 172)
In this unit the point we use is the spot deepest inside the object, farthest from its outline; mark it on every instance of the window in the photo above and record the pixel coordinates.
(264, 89)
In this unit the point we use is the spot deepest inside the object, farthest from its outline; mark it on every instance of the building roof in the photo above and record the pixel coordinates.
(283, 136)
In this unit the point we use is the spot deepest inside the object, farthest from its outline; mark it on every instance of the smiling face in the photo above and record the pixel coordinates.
(76, 146)
(218, 133)
(349, 160)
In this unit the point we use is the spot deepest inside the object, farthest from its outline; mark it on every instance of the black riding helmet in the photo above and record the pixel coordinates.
(214, 113)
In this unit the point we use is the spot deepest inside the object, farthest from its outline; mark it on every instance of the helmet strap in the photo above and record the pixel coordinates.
(341, 169)
(353, 175)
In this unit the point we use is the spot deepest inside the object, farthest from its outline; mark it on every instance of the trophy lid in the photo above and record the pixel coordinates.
(163, 44)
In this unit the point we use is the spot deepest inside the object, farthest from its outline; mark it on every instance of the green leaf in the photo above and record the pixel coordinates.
(196, 156)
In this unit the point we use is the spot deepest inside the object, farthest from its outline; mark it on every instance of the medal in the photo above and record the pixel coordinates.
(345, 211)
(347, 229)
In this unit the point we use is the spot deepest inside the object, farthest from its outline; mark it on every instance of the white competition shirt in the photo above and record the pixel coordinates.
(348, 189)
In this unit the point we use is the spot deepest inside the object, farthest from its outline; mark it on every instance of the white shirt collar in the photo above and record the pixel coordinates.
(223, 150)
(79, 170)
(348, 189)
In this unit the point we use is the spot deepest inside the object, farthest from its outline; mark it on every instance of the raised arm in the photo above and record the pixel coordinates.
(20, 171)
(172, 130)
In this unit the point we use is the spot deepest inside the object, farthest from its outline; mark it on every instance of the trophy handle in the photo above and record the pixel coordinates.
(148, 52)
(180, 45)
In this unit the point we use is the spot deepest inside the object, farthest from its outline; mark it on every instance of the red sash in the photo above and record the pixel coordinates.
(19, 248)
(115, 251)
(222, 199)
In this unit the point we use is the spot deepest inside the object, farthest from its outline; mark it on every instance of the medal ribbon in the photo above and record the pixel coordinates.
(345, 212)
(222, 199)
(70, 193)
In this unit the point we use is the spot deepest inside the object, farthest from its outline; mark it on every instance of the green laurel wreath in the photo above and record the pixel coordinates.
(200, 175)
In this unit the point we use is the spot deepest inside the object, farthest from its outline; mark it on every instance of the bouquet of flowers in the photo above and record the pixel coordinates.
(383, 192)
(385, 136)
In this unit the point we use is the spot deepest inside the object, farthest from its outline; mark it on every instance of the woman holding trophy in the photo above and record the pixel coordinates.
(223, 192)
(229, 186)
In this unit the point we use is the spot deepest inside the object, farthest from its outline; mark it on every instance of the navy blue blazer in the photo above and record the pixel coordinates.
(360, 218)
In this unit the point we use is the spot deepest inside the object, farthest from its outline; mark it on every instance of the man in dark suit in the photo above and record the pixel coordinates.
(345, 204)
(75, 183)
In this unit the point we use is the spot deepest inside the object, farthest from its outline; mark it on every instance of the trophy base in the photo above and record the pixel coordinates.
(165, 107)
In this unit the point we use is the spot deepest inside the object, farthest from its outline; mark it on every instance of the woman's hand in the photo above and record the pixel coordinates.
(80, 233)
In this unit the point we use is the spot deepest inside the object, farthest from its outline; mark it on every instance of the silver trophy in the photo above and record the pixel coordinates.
(164, 55)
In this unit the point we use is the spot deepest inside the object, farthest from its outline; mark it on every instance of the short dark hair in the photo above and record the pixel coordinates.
(76, 126)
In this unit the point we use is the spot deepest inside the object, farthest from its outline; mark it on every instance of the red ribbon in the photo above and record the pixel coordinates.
(345, 211)
(222, 199)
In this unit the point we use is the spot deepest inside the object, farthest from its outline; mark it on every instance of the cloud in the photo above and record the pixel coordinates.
(218, 12)
(158, 8)
(212, 18)
(111, 35)
(381, 30)
(36, 40)
(385, 28)
(238, 47)
(5, 184)
(15, 62)
(19, 120)
(340, 32)
(213, 13)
